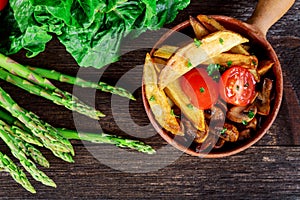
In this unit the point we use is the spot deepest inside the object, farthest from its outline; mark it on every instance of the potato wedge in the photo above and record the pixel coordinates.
(213, 26)
(158, 100)
(190, 55)
(195, 115)
(165, 52)
(230, 59)
(264, 66)
(198, 28)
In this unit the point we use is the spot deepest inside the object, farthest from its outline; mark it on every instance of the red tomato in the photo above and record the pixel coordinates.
(237, 86)
(200, 87)
(3, 3)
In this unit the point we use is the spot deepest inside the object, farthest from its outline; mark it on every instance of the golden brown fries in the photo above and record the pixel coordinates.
(264, 66)
(158, 100)
(198, 28)
(213, 26)
(192, 55)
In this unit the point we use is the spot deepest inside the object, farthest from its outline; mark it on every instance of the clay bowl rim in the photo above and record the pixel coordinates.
(255, 35)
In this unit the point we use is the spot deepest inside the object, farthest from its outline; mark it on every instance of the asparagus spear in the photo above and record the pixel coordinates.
(20, 70)
(16, 173)
(90, 137)
(48, 134)
(54, 75)
(28, 149)
(107, 139)
(25, 162)
(25, 135)
(48, 94)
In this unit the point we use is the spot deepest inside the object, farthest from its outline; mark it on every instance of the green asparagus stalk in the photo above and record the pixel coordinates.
(89, 137)
(28, 149)
(55, 75)
(48, 94)
(48, 134)
(25, 162)
(107, 139)
(25, 73)
(25, 135)
(16, 173)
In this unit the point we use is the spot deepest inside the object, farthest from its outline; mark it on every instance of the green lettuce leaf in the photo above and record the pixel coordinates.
(91, 30)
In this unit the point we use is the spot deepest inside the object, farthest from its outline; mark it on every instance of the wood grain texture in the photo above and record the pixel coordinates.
(269, 170)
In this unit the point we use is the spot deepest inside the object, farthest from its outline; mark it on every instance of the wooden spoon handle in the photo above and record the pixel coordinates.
(268, 12)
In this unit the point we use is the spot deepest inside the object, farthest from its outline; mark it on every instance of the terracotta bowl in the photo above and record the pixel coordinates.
(257, 39)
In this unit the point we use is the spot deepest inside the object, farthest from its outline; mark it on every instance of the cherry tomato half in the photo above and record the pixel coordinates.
(200, 87)
(3, 3)
(237, 86)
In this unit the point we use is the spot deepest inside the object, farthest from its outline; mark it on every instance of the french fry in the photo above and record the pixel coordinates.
(165, 52)
(213, 26)
(198, 28)
(224, 59)
(264, 66)
(158, 100)
(195, 115)
(191, 55)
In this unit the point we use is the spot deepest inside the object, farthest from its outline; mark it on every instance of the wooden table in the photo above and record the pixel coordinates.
(270, 169)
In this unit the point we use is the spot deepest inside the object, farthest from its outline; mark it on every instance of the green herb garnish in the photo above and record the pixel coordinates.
(197, 42)
(251, 114)
(223, 131)
(152, 98)
(254, 62)
(202, 89)
(189, 64)
(229, 63)
(190, 106)
(244, 122)
(173, 114)
(237, 87)
(211, 68)
(221, 41)
(246, 85)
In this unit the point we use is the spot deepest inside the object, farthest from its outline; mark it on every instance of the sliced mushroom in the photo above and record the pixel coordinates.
(263, 99)
(241, 114)
(216, 114)
(245, 134)
(229, 133)
(252, 124)
(220, 143)
(190, 130)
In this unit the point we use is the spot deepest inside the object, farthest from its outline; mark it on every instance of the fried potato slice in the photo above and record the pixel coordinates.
(195, 115)
(198, 28)
(158, 100)
(230, 59)
(224, 59)
(213, 26)
(165, 51)
(192, 55)
(264, 66)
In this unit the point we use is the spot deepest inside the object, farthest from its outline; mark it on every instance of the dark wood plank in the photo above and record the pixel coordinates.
(270, 169)
(259, 172)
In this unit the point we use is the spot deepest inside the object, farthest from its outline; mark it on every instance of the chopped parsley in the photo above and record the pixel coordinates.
(211, 68)
(173, 114)
(254, 62)
(197, 42)
(190, 106)
(246, 85)
(229, 63)
(189, 64)
(223, 131)
(244, 122)
(152, 98)
(221, 41)
(237, 87)
(202, 89)
(251, 114)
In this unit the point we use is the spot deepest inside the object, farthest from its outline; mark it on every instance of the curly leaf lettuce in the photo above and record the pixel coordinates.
(91, 30)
